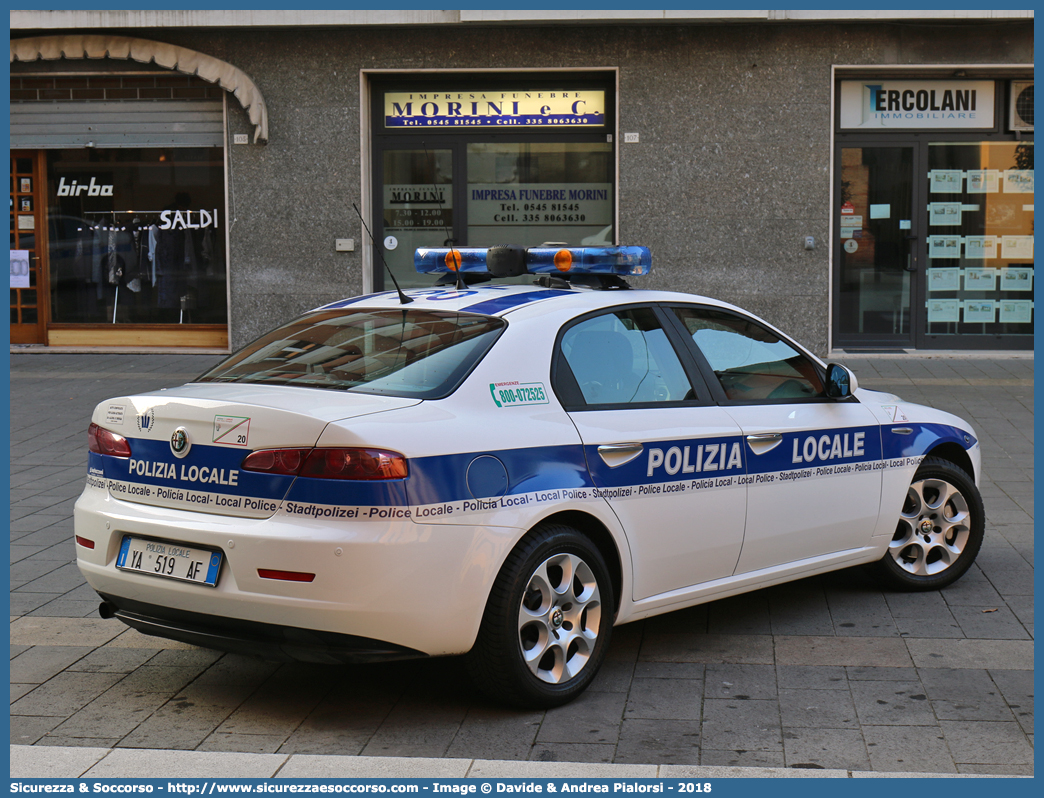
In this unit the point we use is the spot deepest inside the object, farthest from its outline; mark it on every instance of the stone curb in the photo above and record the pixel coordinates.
(57, 762)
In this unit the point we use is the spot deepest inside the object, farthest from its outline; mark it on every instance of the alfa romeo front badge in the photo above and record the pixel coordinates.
(179, 442)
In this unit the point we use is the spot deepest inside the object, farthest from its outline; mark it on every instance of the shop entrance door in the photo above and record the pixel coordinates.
(28, 245)
(876, 259)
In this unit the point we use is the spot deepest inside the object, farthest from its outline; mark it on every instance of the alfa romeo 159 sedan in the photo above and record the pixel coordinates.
(507, 471)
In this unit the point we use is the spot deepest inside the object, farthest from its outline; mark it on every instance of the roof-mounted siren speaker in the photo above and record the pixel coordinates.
(1020, 105)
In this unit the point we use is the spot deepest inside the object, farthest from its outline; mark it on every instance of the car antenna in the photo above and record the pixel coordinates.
(450, 240)
(403, 299)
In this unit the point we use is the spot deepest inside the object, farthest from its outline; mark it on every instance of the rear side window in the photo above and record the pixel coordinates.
(624, 357)
(412, 353)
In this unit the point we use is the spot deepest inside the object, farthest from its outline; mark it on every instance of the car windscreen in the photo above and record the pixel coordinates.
(421, 354)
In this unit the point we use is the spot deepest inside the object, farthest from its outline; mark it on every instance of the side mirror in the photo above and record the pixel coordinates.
(840, 382)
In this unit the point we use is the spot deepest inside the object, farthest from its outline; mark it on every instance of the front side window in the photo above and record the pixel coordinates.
(625, 358)
(409, 353)
(751, 362)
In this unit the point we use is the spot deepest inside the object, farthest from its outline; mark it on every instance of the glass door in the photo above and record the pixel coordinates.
(877, 257)
(415, 187)
(28, 291)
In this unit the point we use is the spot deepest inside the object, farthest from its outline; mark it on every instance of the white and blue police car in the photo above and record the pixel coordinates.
(508, 471)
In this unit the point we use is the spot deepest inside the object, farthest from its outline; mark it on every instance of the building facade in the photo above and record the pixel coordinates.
(191, 179)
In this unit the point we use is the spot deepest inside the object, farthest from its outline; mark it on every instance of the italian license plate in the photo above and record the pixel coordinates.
(170, 560)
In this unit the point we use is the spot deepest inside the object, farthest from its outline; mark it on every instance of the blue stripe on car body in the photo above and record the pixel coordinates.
(507, 302)
(152, 463)
(444, 478)
(922, 438)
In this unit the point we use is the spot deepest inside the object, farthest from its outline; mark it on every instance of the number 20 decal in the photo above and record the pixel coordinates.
(232, 430)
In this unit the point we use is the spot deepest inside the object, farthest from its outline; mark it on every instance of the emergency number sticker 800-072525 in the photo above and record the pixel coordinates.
(518, 394)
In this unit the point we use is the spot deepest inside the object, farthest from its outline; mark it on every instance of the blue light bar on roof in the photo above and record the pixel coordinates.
(434, 260)
(589, 260)
(540, 260)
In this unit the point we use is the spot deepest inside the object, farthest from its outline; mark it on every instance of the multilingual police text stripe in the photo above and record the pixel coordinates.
(213, 475)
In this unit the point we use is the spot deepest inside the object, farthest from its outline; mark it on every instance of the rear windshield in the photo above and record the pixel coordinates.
(415, 353)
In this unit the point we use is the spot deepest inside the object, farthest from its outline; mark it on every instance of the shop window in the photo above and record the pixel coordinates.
(137, 236)
(526, 161)
(534, 193)
(980, 238)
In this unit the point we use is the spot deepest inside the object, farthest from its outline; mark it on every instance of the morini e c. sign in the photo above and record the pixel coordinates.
(484, 109)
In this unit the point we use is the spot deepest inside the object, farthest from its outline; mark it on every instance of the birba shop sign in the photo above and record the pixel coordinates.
(485, 109)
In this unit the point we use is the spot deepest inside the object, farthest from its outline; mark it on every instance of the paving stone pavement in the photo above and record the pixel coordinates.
(824, 673)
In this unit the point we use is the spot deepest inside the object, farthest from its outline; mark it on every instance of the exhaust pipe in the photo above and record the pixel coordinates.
(107, 610)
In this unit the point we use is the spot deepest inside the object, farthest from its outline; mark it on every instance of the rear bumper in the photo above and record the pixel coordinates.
(265, 640)
(396, 585)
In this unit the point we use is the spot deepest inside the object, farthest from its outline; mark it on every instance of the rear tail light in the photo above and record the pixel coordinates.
(101, 441)
(329, 463)
(275, 461)
(354, 464)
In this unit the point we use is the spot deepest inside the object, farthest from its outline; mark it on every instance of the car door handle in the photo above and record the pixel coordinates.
(763, 442)
(618, 454)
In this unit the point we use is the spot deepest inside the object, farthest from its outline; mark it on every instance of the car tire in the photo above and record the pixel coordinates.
(547, 623)
(939, 532)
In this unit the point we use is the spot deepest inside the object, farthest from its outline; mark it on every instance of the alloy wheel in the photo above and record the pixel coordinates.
(559, 618)
(933, 529)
